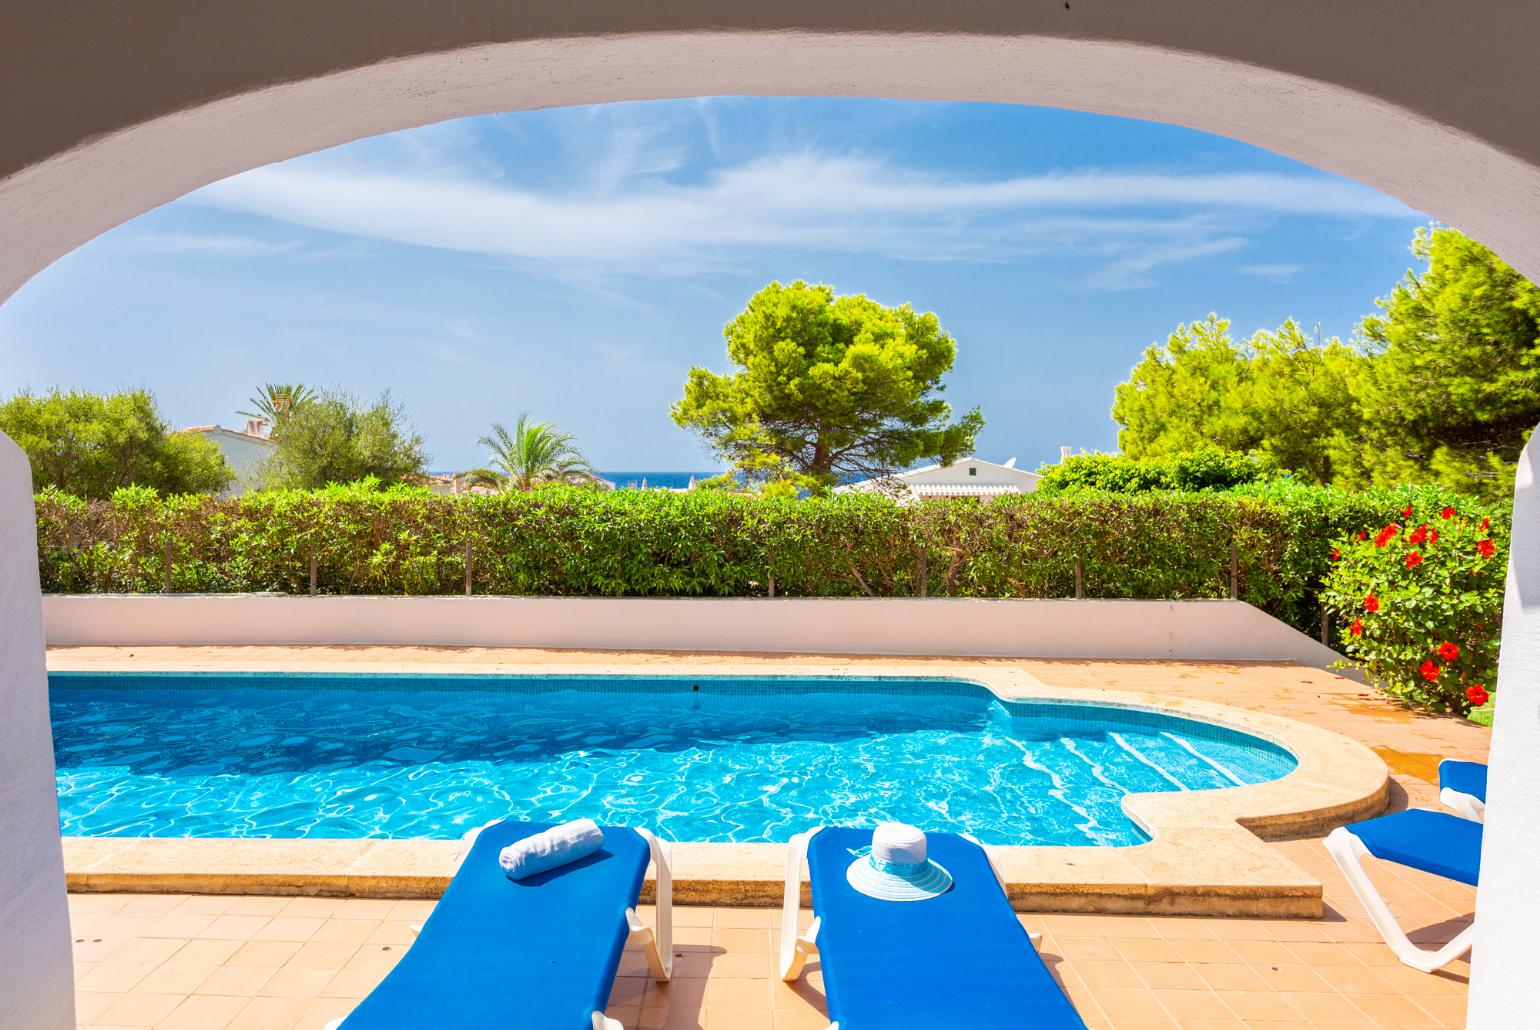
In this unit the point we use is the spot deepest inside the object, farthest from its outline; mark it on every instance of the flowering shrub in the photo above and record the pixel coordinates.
(1422, 602)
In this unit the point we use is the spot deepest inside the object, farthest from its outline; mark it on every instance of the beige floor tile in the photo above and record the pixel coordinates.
(270, 1014)
(140, 1008)
(344, 931)
(236, 981)
(296, 982)
(267, 954)
(288, 928)
(203, 1012)
(354, 984)
(234, 927)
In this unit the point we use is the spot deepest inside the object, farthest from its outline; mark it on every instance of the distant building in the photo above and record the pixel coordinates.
(967, 477)
(245, 452)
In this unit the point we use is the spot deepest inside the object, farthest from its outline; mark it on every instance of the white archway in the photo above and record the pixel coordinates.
(107, 110)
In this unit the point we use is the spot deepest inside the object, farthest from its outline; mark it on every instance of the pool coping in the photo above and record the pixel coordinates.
(1206, 855)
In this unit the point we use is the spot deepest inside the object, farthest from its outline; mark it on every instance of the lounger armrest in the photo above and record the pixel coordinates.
(1466, 806)
(796, 948)
(658, 943)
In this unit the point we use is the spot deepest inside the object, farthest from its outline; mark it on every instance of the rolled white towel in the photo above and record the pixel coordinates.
(548, 849)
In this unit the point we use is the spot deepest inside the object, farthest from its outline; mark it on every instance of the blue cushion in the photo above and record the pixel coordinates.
(1465, 777)
(1435, 842)
(958, 960)
(539, 953)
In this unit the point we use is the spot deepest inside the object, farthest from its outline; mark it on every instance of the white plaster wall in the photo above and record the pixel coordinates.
(1506, 956)
(1218, 630)
(108, 109)
(36, 977)
(245, 456)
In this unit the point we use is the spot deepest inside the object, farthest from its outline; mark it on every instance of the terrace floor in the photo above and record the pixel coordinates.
(278, 962)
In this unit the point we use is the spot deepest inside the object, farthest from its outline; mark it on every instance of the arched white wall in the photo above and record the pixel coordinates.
(108, 109)
(37, 983)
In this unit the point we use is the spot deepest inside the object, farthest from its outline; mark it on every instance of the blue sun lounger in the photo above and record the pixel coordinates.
(1462, 786)
(962, 959)
(534, 954)
(1434, 842)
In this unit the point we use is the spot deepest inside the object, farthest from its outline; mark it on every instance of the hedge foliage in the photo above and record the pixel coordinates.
(559, 541)
(1118, 473)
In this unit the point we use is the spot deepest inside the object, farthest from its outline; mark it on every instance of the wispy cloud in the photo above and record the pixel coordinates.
(1133, 272)
(1272, 273)
(217, 245)
(631, 217)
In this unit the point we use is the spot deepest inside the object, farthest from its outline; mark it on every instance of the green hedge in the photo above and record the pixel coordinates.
(647, 544)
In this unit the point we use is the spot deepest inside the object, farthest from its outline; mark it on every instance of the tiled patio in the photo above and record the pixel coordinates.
(274, 962)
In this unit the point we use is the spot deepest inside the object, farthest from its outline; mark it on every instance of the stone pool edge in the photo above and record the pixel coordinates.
(1206, 855)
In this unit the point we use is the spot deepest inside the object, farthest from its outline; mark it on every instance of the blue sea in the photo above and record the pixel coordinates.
(674, 480)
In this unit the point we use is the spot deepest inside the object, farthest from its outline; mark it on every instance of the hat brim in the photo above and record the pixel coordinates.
(930, 882)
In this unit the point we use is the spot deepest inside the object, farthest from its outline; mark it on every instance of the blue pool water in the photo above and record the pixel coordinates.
(715, 759)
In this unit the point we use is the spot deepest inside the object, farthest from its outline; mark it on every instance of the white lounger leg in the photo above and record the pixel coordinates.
(1466, 806)
(657, 945)
(1349, 852)
(796, 948)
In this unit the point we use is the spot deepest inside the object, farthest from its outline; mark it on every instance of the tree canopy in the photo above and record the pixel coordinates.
(1455, 383)
(335, 438)
(90, 444)
(1442, 386)
(534, 454)
(1279, 395)
(275, 402)
(827, 388)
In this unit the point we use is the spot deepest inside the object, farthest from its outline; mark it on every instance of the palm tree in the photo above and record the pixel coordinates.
(277, 401)
(534, 454)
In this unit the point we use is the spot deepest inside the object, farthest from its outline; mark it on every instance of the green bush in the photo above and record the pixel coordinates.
(1421, 599)
(1195, 470)
(572, 542)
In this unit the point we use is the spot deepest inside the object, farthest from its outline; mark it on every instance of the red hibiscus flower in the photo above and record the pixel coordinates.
(1413, 560)
(1477, 694)
(1363, 534)
(1432, 536)
(1406, 512)
(1335, 554)
(1485, 548)
(1357, 627)
(1418, 535)
(1371, 603)
(1385, 535)
(1448, 651)
(1429, 671)
(1447, 513)
(1486, 523)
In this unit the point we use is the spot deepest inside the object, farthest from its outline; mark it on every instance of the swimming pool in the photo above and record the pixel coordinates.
(696, 759)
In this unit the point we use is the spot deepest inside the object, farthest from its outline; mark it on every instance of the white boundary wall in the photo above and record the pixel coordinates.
(1219, 630)
(37, 988)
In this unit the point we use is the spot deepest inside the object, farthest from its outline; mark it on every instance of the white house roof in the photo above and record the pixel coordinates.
(966, 477)
(962, 489)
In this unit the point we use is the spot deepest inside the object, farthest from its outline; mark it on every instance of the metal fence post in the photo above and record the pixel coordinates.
(166, 567)
(1079, 579)
(467, 568)
(1326, 628)
(1235, 573)
(313, 574)
(770, 578)
(924, 575)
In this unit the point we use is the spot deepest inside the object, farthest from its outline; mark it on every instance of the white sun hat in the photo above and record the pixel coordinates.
(895, 868)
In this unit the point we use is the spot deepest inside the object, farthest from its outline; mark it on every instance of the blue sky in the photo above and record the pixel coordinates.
(576, 262)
